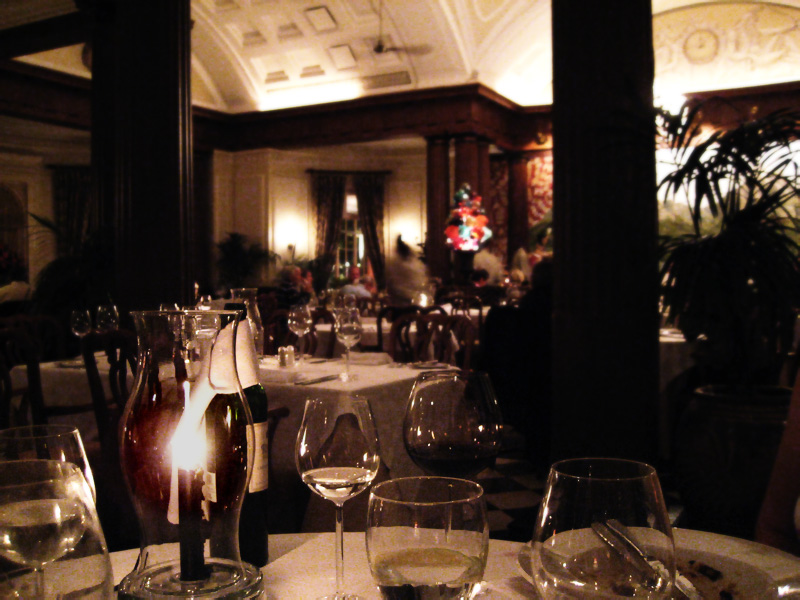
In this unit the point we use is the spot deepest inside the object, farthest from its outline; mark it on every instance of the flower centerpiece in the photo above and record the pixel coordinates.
(467, 228)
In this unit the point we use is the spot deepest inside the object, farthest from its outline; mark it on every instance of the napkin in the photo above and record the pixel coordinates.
(370, 358)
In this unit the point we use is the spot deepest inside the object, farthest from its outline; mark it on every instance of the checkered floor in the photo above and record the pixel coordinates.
(513, 492)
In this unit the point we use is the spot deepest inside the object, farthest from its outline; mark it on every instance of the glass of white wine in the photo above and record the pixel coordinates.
(337, 457)
(427, 537)
(348, 332)
(47, 512)
(299, 321)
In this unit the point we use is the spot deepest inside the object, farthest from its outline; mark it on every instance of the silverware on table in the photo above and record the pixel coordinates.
(619, 539)
(317, 379)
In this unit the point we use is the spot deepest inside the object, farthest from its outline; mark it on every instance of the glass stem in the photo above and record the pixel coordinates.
(339, 550)
(38, 583)
(302, 347)
(347, 365)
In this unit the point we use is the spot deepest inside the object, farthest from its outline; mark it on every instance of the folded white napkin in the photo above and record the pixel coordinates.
(370, 358)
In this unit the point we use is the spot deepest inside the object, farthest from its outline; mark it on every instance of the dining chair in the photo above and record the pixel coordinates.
(276, 331)
(120, 350)
(322, 315)
(17, 348)
(389, 313)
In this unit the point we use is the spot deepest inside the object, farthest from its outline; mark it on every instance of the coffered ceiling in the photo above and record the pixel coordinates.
(267, 54)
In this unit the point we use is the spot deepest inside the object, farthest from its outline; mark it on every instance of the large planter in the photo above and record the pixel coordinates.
(725, 447)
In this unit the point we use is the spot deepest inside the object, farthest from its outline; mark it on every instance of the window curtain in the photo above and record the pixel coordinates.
(329, 190)
(369, 188)
(73, 214)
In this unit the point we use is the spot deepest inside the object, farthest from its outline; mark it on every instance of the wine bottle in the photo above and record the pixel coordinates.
(253, 533)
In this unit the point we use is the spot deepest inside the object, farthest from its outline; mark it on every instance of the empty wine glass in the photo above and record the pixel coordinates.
(107, 317)
(337, 457)
(51, 442)
(575, 551)
(348, 332)
(45, 510)
(300, 324)
(80, 322)
(452, 425)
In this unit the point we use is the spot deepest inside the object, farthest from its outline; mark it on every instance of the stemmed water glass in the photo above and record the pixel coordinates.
(299, 320)
(51, 442)
(45, 510)
(587, 504)
(452, 425)
(107, 317)
(80, 323)
(337, 457)
(348, 332)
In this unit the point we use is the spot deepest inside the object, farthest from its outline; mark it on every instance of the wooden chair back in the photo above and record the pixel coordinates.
(18, 348)
(276, 331)
(120, 350)
(323, 315)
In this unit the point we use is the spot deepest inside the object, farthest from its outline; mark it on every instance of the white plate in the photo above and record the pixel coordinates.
(751, 571)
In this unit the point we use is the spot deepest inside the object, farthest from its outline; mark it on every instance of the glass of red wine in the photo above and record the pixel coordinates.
(452, 425)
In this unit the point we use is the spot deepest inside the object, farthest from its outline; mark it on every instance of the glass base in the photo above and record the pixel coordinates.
(342, 596)
(226, 579)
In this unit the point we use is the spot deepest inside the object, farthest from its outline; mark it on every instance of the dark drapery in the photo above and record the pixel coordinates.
(369, 189)
(74, 215)
(328, 189)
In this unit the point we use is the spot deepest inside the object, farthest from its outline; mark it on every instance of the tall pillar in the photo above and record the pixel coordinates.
(438, 204)
(145, 149)
(484, 171)
(517, 218)
(605, 328)
(467, 165)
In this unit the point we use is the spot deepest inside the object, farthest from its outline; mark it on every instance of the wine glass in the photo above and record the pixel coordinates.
(348, 332)
(45, 509)
(52, 442)
(452, 425)
(427, 537)
(300, 324)
(575, 555)
(80, 322)
(337, 457)
(107, 317)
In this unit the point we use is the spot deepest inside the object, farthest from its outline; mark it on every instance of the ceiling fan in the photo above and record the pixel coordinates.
(381, 46)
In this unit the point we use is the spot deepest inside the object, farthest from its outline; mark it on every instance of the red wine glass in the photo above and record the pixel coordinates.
(452, 425)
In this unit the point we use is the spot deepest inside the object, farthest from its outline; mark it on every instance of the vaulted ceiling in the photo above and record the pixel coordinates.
(251, 55)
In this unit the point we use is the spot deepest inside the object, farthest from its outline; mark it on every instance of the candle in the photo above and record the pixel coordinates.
(190, 524)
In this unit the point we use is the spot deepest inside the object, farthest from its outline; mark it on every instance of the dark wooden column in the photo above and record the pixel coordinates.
(484, 171)
(517, 218)
(438, 204)
(605, 223)
(146, 149)
(467, 162)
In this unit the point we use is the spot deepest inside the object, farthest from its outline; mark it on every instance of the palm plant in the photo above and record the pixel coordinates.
(732, 284)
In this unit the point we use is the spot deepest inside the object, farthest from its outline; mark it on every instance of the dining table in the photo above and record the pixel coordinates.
(301, 567)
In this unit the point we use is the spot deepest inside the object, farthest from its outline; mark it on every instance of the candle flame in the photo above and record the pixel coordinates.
(188, 443)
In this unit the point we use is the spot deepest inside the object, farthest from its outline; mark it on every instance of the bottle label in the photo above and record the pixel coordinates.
(260, 477)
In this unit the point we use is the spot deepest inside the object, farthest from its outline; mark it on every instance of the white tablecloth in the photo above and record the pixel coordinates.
(302, 568)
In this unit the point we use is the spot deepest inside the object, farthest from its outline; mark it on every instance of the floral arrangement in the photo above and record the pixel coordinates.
(467, 227)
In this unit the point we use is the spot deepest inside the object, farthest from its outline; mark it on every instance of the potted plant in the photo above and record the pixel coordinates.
(732, 286)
